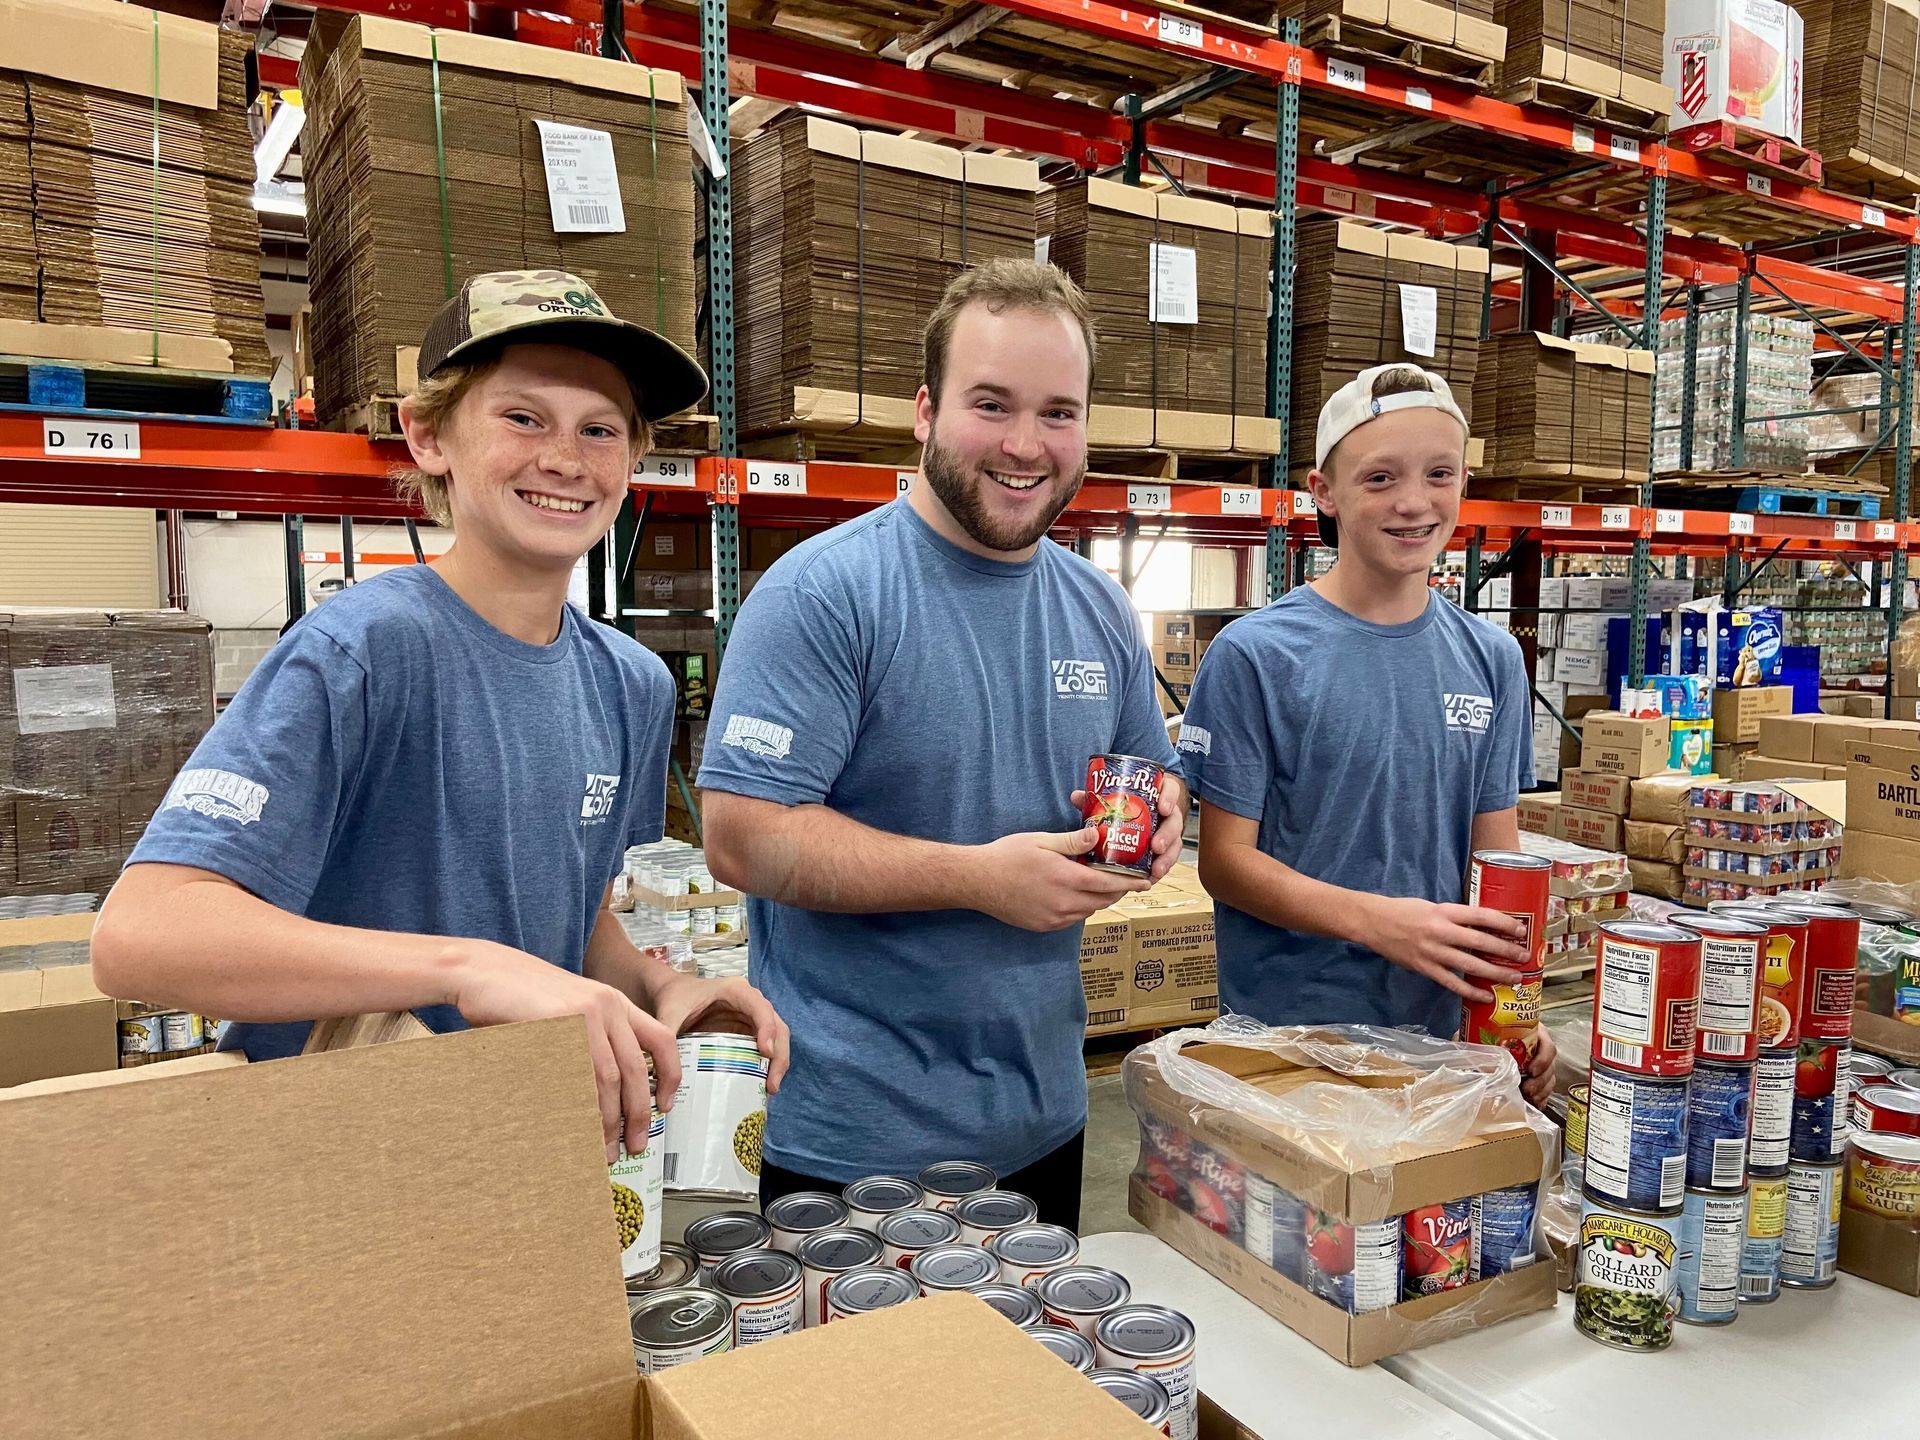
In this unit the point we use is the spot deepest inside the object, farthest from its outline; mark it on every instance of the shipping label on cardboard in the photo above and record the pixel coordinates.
(1173, 286)
(583, 184)
(49, 699)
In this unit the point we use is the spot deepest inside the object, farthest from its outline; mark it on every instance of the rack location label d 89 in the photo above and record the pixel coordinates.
(118, 439)
(773, 477)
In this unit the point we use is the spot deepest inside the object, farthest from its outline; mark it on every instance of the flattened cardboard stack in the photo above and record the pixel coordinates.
(17, 282)
(1605, 48)
(843, 242)
(1465, 25)
(1862, 62)
(1552, 407)
(1199, 383)
(380, 240)
(140, 164)
(1353, 285)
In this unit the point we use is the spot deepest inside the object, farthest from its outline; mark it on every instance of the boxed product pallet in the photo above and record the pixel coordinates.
(1736, 60)
(1862, 66)
(429, 159)
(1366, 297)
(843, 242)
(1600, 48)
(1778, 380)
(1553, 407)
(136, 152)
(1178, 290)
(98, 709)
(1149, 961)
(1755, 839)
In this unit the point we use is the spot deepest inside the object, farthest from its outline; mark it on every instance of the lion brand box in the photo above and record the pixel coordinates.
(1737, 60)
(501, 1123)
(1355, 1194)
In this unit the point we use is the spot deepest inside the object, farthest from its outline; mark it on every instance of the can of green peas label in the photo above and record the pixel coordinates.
(638, 1193)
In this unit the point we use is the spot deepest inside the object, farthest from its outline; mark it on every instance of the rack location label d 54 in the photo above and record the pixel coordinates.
(111, 439)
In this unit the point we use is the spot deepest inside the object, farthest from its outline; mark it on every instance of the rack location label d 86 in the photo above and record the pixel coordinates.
(773, 477)
(119, 439)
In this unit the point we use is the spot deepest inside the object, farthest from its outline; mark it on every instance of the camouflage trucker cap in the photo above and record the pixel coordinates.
(551, 307)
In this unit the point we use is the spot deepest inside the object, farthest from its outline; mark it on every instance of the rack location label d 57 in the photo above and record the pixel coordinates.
(113, 439)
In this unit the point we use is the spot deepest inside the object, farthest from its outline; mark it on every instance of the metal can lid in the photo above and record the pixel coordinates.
(1906, 1079)
(1020, 1306)
(1142, 1394)
(1066, 1342)
(1879, 914)
(1812, 909)
(1082, 1289)
(1774, 917)
(1880, 1145)
(840, 1249)
(954, 1267)
(1036, 1244)
(806, 1210)
(1144, 1332)
(1865, 1064)
(752, 1274)
(919, 1229)
(690, 1315)
(728, 1231)
(883, 1194)
(995, 1210)
(871, 1287)
(957, 1177)
(1883, 1095)
(1513, 860)
(1717, 922)
(1651, 932)
(677, 1266)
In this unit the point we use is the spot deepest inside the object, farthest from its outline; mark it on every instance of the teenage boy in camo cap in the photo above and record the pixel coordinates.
(1355, 741)
(420, 799)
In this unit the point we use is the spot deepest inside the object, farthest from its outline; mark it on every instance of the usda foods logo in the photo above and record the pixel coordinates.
(218, 795)
(1468, 712)
(1080, 679)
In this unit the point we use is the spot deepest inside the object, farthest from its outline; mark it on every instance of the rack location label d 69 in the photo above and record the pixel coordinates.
(119, 439)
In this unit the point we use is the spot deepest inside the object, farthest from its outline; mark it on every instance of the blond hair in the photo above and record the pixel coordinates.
(1002, 285)
(433, 401)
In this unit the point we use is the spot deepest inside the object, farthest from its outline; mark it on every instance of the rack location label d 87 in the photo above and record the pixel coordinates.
(118, 439)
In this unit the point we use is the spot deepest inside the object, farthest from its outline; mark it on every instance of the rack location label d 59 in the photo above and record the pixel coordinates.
(118, 439)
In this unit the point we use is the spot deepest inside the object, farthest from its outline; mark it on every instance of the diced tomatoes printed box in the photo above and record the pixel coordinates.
(1354, 1193)
(1624, 745)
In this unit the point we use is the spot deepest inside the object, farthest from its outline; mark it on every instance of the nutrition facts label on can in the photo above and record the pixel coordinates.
(1635, 1148)
(1772, 1110)
(1729, 974)
(1376, 1266)
(1624, 1008)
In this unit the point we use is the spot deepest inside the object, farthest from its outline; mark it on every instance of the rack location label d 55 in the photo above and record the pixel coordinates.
(114, 439)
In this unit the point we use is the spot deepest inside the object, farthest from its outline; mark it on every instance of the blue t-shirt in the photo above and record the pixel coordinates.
(397, 763)
(884, 672)
(1365, 752)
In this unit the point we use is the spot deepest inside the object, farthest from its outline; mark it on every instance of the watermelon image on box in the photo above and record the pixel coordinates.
(1737, 60)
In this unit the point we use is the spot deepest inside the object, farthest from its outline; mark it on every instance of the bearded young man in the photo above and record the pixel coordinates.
(906, 706)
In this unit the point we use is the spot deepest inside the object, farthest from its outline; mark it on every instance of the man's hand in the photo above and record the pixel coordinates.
(1452, 945)
(1537, 1084)
(497, 985)
(683, 999)
(1032, 880)
(1170, 833)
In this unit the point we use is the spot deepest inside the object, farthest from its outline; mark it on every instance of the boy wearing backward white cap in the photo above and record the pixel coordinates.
(1354, 742)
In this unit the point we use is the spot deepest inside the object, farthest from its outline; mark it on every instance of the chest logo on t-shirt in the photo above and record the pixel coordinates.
(602, 790)
(1469, 712)
(218, 795)
(1080, 679)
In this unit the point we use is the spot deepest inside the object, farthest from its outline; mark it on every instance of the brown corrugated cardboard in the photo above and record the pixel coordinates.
(1106, 969)
(52, 1021)
(1623, 745)
(1737, 713)
(1661, 798)
(1646, 840)
(1788, 737)
(1866, 856)
(1883, 802)
(1904, 707)
(95, 1079)
(1897, 754)
(1654, 877)
(1536, 811)
(1595, 790)
(1728, 759)
(1174, 979)
(1765, 767)
(767, 543)
(104, 344)
(128, 49)
(1595, 829)
(1859, 704)
(1879, 1249)
(1835, 739)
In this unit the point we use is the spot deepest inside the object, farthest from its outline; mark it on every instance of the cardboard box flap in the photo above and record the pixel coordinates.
(1111, 195)
(1829, 797)
(127, 49)
(896, 1372)
(1586, 352)
(407, 1239)
(1361, 239)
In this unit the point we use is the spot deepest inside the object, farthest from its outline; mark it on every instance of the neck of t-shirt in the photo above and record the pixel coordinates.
(521, 604)
(1378, 600)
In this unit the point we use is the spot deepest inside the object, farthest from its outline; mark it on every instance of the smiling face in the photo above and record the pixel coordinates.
(1394, 484)
(536, 455)
(1006, 442)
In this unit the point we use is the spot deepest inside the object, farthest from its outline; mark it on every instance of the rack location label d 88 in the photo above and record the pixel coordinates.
(118, 439)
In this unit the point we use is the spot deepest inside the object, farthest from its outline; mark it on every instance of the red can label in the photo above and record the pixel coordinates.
(1515, 884)
(1833, 943)
(1510, 1020)
(1729, 997)
(1783, 982)
(1437, 1249)
(1646, 1001)
(1123, 801)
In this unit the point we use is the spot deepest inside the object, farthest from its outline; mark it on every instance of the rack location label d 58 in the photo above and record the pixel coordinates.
(118, 439)
(774, 477)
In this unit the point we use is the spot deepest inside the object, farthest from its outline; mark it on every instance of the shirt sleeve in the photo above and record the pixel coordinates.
(787, 708)
(1510, 766)
(657, 700)
(260, 798)
(1226, 742)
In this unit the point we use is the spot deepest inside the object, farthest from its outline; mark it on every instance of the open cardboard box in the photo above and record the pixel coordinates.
(1879, 1249)
(53, 1022)
(1509, 1156)
(412, 1240)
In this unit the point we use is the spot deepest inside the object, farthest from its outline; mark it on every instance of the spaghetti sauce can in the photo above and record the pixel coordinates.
(1511, 1019)
(1646, 999)
(1516, 884)
(1782, 972)
(1833, 944)
(1123, 803)
(1730, 950)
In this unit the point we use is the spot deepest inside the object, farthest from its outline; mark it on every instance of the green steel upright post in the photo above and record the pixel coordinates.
(1902, 459)
(1649, 340)
(713, 109)
(1739, 396)
(1286, 174)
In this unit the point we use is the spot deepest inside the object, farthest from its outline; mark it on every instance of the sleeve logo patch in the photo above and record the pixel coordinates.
(1469, 712)
(218, 795)
(1196, 740)
(758, 737)
(1080, 679)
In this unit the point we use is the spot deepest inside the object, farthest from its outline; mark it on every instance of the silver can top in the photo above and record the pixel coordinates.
(996, 1210)
(840, 1249)
(951, 1179)
(871, 1287)
(883, 1194)
(1020, 1306)
(954, 1267)
(1037, 1244)
(1144, 1332)
(1067, 1343)
(676, 1268)
(755, 1274)
(1082, 1289)
(806, 1210)
(1142, 1394)
(919, 1229)
(690, 1315)
(728, 1232)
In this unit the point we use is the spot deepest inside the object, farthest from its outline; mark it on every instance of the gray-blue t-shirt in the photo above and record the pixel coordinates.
(886, 673)
(1365, 752)
(397, 763)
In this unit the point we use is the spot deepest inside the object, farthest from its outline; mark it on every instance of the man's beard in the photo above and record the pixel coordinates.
(959, 490)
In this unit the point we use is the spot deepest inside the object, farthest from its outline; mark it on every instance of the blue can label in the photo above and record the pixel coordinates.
(1276, 1227)
(1817, 1133)
(1719, 1110)
(1637, 1140)
(1502, 1231)
(1713, 1234)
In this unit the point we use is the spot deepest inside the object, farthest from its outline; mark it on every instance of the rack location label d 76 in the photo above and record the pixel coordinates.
(113, 439)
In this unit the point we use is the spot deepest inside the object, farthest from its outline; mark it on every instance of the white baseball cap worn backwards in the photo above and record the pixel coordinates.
(1353, 405)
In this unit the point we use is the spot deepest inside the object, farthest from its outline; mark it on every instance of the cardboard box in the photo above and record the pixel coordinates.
(1622, 745)
(1595, 829)
(1867, 856)
(1727, 759)
(1888, 755)
(1174, 980)
(1654, 877)
(1537, 811)
(1580, 667)
(677, 545)
(1661, 798)
(1856, 703)
(767, 543)
(1749, 55)
(52, 1021)
(1595, 790)
(1879, 1249)
(1106, 970)
(1836, 741)
(1883, 802)
(1737, 713)
(1651, 840)
(1765, 767)
(1788, 737)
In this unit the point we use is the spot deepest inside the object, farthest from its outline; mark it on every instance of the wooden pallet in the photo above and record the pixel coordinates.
(1352, 39)
(1553, 491)
(1609, 110)
(1229, 468)
(1751, 149)
(77, 387)
(1763, 493)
